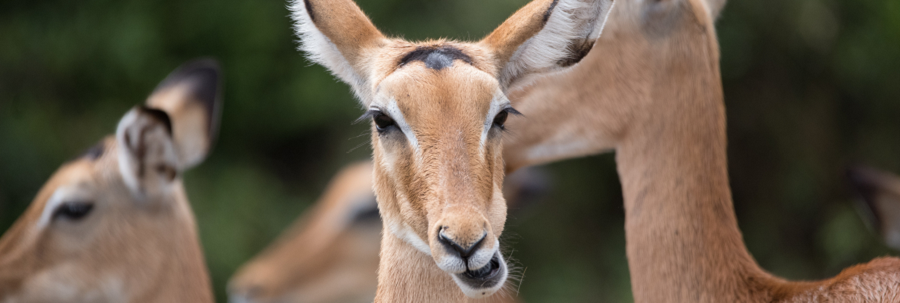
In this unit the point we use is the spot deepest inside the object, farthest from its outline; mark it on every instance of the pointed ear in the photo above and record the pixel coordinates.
(174, 131)
(339, 36)
(546, 35)
(715, 7)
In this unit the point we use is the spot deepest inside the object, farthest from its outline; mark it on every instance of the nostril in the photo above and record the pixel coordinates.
(463, 251)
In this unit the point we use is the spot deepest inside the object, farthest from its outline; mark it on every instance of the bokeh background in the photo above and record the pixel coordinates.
(810, 87)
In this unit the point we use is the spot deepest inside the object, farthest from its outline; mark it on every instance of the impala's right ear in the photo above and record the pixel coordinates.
(546, 35)
(339, 36)
(174, 131)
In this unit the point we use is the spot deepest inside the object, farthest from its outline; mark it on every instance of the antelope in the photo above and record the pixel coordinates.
(330, 253)
(660, 107)
(438, 111)
(114, 225)
(879, 193)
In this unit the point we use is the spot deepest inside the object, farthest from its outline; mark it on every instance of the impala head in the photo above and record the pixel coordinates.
(438, 110)
(114, 224)
(879, 197)
(329, 255)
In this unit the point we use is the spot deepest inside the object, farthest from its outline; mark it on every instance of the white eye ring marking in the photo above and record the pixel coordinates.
(60, 196)
(392, 110)
(500, 102)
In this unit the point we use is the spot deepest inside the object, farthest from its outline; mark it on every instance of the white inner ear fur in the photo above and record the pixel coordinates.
(319, 49)
(158, 149)
(571, 20)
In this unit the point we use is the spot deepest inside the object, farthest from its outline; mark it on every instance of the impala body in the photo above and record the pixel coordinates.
(661, 109)
(439, 110)
(114, 225)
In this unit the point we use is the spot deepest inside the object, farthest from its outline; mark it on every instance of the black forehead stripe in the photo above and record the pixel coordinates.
(435, 57)
(550, 11)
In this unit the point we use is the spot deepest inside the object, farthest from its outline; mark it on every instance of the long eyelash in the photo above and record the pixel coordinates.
(368, 114)
(513, 111)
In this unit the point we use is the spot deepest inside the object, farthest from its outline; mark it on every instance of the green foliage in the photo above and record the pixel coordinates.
(810, 85)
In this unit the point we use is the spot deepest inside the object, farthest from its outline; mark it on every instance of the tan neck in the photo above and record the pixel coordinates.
(181, 276)
(406, 274)
(680, 220)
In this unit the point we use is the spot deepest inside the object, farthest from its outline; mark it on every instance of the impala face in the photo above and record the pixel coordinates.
(438, 111)
(436, 140)
(114, 225)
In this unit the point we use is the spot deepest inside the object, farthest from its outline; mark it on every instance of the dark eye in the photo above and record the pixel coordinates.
(500, 119)
(73, 210)
(382, 121)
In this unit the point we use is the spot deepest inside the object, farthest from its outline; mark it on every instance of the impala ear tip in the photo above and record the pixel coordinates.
(204, 76)
(204, 79)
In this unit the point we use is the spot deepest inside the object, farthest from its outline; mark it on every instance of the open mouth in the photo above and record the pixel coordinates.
(486, 272)
(484, 281)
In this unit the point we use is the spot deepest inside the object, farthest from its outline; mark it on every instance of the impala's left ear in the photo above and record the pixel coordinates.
(546, 35)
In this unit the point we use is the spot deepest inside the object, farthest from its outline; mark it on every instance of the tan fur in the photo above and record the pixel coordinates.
(348, 28)
(135, 245)
(507, 38)
(659, 105)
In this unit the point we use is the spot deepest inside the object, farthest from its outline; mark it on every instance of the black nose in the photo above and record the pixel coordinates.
(462, 251)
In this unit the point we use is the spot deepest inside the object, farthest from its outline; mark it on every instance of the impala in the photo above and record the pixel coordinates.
(439, 110)
(661, 109)
(114, 225)
(330, 254)
(879, 193)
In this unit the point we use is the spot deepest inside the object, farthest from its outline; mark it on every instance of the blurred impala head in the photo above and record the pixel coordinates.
(114, 225)
(438, 111)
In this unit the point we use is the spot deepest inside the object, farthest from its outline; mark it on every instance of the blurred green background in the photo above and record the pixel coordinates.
(810, 85)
